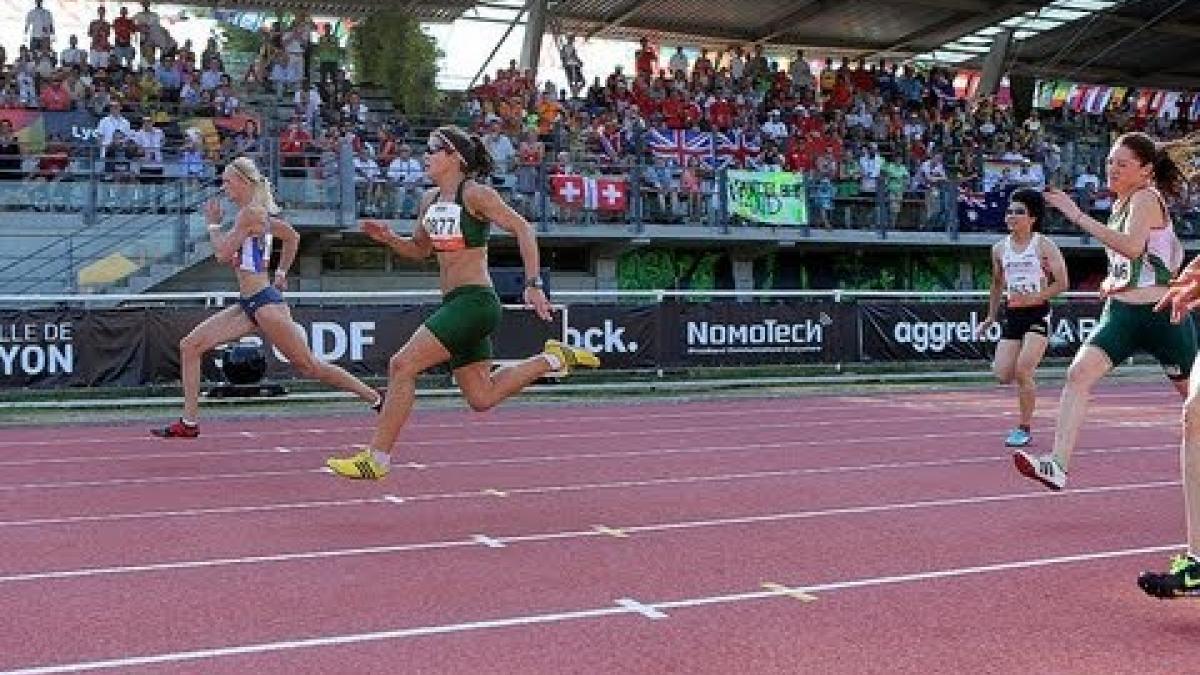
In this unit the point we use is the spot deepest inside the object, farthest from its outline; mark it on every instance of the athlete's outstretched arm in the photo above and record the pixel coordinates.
(1144, 213)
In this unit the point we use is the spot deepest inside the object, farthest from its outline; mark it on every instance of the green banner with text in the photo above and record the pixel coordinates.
(773, 198)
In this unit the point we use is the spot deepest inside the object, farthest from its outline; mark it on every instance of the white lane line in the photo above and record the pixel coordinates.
(631, 607)
(788, 591)
(487, 541)
(577, 534)
(645, 610)
(155, 480)
(535, 459)
(278, 448)
(739, 410)
(547, 489)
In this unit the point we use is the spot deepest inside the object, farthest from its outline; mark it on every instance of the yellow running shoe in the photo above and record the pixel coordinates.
(359, 465)
(571, 357)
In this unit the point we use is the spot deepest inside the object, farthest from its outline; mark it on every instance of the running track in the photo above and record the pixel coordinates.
(856, 534)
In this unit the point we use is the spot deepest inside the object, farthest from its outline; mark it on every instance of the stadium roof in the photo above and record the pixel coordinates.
(1078, 39)
(1131, 42)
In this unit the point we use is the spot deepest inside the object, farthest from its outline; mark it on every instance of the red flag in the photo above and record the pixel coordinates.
(612, 194)
(567, 190)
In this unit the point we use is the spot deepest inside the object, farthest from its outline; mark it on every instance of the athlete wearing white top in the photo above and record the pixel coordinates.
(261, 308)
(1158, 262)
(1027, 270)
(1143, 255)
(256, 250)
(1024, 272)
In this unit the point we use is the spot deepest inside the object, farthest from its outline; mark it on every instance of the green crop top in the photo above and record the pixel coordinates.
(452, 227)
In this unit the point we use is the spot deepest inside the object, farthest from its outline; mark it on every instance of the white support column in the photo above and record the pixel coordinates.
(535, 28)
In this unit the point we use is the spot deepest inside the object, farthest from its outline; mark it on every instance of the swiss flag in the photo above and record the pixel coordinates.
(567, 190)
(612, 194)
(605, 194)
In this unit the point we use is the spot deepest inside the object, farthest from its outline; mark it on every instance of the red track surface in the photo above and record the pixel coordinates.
(509, 544)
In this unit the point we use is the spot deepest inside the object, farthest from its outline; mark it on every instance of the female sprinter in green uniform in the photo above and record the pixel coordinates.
(1029, 269)
(1143, 255)
(454, 221)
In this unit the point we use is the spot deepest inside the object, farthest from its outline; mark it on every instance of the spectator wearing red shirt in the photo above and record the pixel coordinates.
(123, 29)
(692, 114)
(55, 96)
(863, 78)
(646, 60)
(798, 158)
(98, 30)
(292, 144)
(721, 113)
(843, 94)
(53, 162)
(674, 111)
(703, 67)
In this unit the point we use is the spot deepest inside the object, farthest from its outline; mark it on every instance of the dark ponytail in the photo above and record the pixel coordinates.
(476, 159)
(484, 165)
(1168, 177)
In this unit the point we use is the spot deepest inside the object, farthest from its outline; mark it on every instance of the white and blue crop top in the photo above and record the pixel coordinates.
(256, 251)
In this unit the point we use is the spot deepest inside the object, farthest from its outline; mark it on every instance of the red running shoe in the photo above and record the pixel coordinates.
(177, 429)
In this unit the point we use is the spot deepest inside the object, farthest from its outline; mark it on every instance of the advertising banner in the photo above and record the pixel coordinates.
(918, 331)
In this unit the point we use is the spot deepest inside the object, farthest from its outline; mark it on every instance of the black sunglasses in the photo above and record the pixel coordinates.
(1017, 211)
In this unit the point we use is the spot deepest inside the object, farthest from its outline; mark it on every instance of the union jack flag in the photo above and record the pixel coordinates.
(613, 142)
(677, 146)
(736, 147)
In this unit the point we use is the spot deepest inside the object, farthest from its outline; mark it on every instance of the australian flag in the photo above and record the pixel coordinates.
(981, 210)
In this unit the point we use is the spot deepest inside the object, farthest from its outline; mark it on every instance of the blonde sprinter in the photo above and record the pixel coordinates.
(261, 308)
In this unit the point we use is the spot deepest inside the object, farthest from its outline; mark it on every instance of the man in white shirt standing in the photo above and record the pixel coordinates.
(308, 105)
(108, 127)
(870, 165)
(149, 140)
(296, 45)
(678, 64)
(500, 147)
(39, 24)
(932, 177)
(73, 55)
(406, 175)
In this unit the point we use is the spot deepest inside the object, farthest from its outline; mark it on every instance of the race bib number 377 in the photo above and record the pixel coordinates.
(443, 222)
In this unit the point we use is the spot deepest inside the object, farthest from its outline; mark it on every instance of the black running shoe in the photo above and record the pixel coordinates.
(1182, 579)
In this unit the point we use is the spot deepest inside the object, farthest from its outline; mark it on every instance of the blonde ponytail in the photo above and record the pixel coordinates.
(263, 194)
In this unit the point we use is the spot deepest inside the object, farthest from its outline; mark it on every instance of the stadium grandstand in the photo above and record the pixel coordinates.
(904, 137)
(754, 268)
